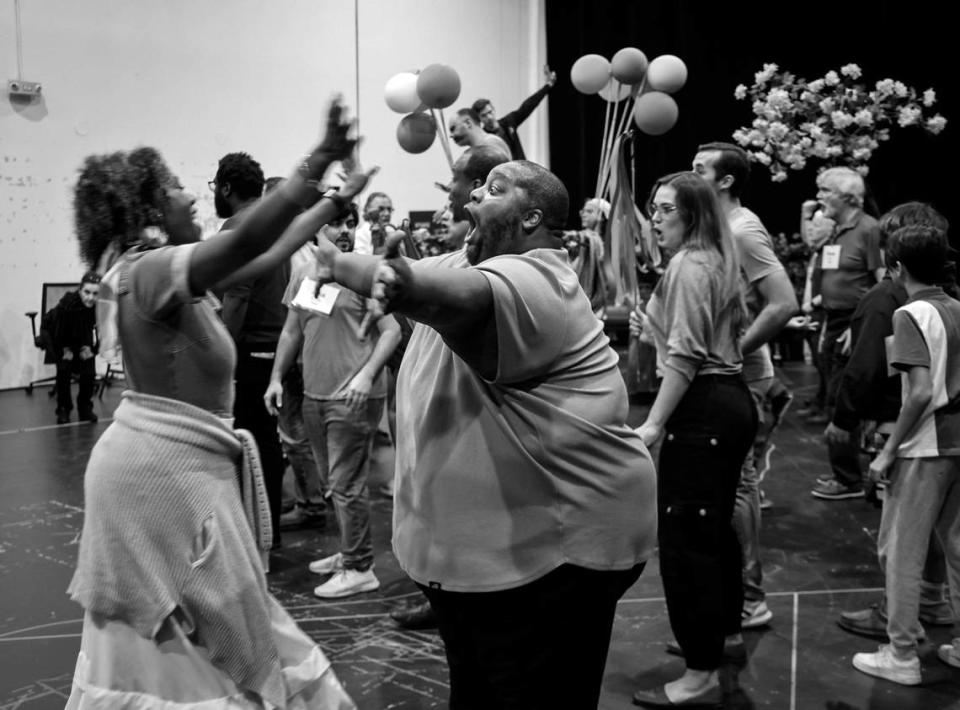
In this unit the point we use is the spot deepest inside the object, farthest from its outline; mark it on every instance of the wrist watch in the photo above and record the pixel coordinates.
(339, 200)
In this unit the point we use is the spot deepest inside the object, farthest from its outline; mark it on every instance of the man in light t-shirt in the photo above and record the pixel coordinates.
(771, 302)
(524, 506)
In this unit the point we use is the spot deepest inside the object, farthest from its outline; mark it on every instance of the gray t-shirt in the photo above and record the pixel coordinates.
(757, 261)
(333, 351)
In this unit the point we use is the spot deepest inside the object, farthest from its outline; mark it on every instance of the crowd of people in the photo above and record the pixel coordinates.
(520, 492)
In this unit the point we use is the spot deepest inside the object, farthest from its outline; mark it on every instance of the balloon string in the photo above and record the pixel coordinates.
(626, 116)
(603, 148)
(607, 141)
(441, 126)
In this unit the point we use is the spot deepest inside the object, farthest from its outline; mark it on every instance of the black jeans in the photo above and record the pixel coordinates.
(86, 370)
(541, 645)
(844, 457)
(707, 438)
(252, 378)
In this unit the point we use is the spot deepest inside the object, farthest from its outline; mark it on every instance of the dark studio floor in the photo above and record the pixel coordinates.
(819, 559)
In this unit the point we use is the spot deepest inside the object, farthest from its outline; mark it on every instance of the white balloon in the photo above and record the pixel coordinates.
(401, 92)
(666, 73)
(615, 91)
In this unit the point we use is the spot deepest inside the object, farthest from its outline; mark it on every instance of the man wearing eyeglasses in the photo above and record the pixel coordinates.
(254, 314)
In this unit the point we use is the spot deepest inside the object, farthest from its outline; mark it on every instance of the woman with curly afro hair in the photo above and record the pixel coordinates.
(170, 569)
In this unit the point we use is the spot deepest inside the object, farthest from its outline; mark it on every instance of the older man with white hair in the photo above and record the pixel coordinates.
(585, 247)
(850, 263)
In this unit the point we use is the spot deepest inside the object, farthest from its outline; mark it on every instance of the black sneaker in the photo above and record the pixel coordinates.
(88, 417)
(63, 417)
(415, 618)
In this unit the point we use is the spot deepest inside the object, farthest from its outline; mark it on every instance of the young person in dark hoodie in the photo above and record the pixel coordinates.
(869, 391)
(72, 326)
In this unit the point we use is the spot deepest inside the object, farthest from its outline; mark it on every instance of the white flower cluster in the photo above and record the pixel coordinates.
(832, 119)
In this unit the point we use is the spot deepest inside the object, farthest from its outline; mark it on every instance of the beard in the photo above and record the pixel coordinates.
(491, 239)
(223, 207)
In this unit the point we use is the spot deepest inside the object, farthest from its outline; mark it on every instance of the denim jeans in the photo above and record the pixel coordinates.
(844, 457)
(746, 509)
(342, 443)
(707, 438)
(923, 497)
(308, 484)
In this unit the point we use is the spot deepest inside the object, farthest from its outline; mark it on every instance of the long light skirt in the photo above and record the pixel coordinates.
(120, 670)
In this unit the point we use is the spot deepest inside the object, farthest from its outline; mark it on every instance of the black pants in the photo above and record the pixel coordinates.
(844, 457)
(252, 378)
(541, 645)
(86, 370)
(706, 440)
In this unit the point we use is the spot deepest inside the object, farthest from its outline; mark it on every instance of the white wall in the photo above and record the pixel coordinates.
(198, 79)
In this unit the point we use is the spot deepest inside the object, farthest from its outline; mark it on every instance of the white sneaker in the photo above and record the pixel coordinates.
(346, 582)
(755, 614)
(950, 653)
(884, 664)
(327, 565)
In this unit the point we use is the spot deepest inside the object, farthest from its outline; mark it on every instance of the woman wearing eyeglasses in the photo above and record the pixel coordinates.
(705, 420)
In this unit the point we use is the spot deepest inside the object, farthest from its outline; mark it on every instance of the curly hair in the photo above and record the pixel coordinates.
(117, 195)
(243, 173)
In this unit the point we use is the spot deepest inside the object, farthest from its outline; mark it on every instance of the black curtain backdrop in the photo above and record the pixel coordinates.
(724, 44)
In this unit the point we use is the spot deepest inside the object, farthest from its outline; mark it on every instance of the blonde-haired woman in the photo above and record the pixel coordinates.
(705, 418)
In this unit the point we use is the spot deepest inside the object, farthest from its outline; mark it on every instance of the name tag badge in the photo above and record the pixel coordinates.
(831, 257)
(309, 299)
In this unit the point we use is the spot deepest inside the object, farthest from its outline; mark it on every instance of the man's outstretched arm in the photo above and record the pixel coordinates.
(521, 113)
(457, 303)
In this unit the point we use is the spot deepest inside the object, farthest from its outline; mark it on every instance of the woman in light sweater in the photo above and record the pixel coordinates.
(705, 418)
(169, 573)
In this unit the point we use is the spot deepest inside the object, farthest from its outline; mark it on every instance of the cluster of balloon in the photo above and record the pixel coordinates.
(636, 89)
(630, 76)
(422, 96)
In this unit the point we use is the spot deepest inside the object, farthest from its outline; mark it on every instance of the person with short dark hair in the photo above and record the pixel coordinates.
(237, 185)
(521, 493)
(920, 461)
(506, 126)
(177, 611)
(466, 132)
(344, 389)
(73, 337)
(870, 395)
(254, 315)
(771, 302)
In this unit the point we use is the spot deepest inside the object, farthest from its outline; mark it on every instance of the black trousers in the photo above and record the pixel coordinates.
(86, 370)
(706, 440)
(541, 645)
(250, 413)
(844, 457)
